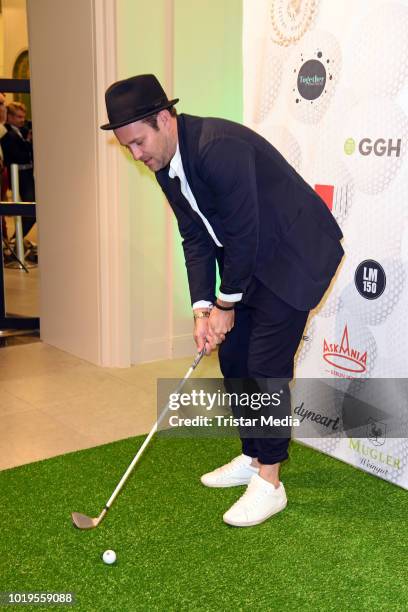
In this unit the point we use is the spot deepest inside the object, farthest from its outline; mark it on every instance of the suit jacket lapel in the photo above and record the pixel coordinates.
(188, 137)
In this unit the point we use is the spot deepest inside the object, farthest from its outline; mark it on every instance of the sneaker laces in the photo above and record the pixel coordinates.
(232, 465)
(249, 498)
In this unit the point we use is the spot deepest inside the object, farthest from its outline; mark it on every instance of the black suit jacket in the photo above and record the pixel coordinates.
(271, 223)
(16, 150)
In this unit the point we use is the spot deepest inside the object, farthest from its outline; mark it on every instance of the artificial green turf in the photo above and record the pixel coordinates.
(340, 545)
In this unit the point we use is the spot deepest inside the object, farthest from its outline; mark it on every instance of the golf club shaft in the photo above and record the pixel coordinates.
(152, 432)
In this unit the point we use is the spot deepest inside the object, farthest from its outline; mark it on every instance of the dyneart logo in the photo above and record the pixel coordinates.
(345, 357)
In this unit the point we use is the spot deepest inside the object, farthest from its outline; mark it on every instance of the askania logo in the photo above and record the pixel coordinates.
(311, 79)
(370, 279)
(379, 147)
(345, 357)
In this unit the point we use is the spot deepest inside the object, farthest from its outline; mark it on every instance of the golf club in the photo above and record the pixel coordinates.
(81, 521)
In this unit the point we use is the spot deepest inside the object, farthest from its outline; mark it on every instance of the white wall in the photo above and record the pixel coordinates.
(84, 304)
(153, 282)
(113, 281)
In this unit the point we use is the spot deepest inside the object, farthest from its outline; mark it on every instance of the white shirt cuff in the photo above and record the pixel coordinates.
(232, 297)
(202, 304)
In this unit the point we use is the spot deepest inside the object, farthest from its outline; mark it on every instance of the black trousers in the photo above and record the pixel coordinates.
(261, 346)
(27, 192)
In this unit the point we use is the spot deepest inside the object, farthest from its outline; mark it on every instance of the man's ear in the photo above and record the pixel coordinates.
(163, 117)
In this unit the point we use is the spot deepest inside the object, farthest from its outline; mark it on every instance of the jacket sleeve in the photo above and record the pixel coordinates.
(227, 166)
(199, 254)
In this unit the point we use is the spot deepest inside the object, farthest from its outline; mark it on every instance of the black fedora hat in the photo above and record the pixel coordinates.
(134, 99)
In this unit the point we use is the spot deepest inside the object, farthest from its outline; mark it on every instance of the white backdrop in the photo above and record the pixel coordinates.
(327, 84)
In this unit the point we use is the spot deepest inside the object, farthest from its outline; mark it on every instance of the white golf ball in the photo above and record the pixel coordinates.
(109, 557)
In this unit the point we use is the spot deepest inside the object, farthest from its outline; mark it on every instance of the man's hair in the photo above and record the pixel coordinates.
(152, 119)
(14, 107)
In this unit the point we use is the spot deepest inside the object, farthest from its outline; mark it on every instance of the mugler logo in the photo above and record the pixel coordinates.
(343, 356)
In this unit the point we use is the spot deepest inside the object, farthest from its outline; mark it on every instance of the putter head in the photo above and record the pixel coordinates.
(81, 521)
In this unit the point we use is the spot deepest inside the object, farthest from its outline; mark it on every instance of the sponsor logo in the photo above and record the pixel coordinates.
(383, 461)
(370, 279)
(316, 417)
(311, 79)
(290, 19)
(376, 432)
(379, 147)
(344, 357)
(336, 198)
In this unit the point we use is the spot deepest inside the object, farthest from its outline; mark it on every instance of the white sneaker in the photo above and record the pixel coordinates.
(237, 472)
(260, 501)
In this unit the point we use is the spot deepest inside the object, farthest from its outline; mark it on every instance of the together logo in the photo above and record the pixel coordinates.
(378, 147)
(311, 79)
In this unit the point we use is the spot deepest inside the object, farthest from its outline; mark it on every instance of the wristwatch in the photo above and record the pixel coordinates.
(203, 314)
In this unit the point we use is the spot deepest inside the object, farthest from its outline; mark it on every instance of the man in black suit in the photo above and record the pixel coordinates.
(18, 149)
(239, 203)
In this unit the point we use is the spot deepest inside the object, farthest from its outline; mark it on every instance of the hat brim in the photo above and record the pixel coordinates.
(113, 126)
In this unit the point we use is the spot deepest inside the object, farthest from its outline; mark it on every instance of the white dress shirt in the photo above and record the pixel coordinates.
(176, 169)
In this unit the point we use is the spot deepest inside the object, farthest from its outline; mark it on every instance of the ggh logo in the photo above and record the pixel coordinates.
(378, 147)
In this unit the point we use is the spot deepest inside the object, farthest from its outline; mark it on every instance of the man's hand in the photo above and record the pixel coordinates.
(210, 331)
(220, 323)
(201, 332)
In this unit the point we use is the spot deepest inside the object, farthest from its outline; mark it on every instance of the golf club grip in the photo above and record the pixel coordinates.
(125, 476)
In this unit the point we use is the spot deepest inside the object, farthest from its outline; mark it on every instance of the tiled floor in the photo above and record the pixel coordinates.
(52, 402)
(22, 294)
